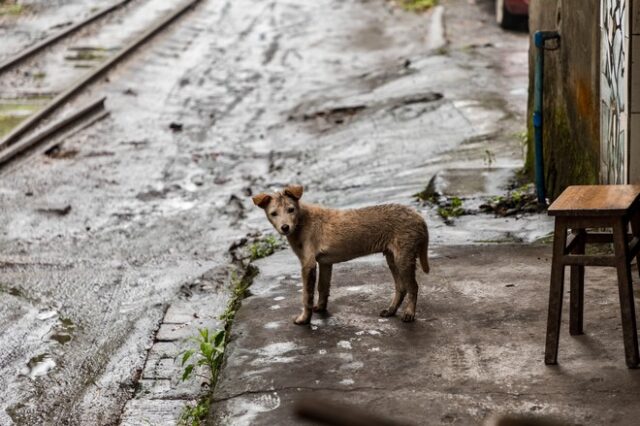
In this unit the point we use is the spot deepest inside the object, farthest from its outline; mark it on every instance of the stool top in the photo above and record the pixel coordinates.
(596, 200)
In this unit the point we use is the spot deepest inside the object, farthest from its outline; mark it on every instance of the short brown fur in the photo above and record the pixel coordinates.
(321, 236)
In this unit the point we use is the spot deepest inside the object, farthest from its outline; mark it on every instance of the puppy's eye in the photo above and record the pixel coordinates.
(274, 214)
(291, 209)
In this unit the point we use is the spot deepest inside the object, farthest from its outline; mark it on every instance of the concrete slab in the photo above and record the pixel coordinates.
(475, 350)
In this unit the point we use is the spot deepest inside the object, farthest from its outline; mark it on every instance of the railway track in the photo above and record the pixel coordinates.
(48, 120)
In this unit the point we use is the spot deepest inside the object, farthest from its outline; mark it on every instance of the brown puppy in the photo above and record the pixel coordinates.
(325, 236)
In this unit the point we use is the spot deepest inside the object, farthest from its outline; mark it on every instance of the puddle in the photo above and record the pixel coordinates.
(45, 315)
(13, 112)
(38, 366)
(63, 331)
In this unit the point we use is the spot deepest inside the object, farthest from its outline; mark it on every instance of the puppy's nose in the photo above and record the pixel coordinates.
(285, 228)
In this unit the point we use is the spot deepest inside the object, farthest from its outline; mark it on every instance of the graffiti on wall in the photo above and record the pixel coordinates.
(613, 90)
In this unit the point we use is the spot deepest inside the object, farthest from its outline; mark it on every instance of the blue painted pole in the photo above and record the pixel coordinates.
(539, 38)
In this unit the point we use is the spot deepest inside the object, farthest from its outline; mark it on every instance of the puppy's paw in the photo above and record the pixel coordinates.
(386, 313)
(408, 316)
(302, 319)
(320, 309)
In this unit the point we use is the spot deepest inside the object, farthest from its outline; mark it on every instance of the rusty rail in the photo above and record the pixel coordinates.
(25, 144)
(30, 51)
(12, 137)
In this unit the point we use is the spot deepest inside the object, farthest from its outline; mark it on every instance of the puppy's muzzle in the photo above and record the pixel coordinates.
(285, 229)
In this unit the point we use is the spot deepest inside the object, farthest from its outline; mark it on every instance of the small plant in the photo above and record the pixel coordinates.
(193, 415)
(489, 158)
(519, 200)
(240, 288)
(451, 210)
(209, 352)
(263, 248)
(418, 5)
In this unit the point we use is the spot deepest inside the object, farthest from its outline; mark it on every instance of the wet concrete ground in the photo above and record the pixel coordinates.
(475, 351)
(358, 101)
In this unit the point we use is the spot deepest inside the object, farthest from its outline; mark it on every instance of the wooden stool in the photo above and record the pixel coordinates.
(580, 208)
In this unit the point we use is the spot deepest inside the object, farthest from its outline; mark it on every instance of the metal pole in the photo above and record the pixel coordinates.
(540, 37)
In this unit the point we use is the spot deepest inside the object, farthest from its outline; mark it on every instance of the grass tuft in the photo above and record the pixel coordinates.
(418, 5)
(209, 349)
(264, 247)
(11, 9)
(451, 210)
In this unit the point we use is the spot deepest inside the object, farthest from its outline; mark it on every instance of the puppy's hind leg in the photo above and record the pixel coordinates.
(407, 271)
(398, 297)
(324, 282)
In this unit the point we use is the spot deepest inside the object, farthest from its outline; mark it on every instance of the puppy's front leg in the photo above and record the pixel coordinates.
(308, 287)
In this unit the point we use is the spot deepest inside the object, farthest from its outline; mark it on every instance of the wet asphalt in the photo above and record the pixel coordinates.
(354, 100)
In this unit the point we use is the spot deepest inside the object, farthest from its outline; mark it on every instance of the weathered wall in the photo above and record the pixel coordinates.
(571, 94)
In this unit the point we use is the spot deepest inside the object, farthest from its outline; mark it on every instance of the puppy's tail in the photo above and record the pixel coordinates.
(424, 252)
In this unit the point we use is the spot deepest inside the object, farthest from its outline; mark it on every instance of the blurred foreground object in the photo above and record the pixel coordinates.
(330, 413)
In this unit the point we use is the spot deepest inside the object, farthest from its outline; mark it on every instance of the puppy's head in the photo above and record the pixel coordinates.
(282, 208)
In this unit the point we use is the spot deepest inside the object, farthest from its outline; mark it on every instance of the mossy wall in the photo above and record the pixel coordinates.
(571, 113)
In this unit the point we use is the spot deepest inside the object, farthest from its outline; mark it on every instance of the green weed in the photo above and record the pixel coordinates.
(11, 9)
(451, 210)
(265, 247)
(194, 415)
(521, 199)
(418, 5)
(209, 352)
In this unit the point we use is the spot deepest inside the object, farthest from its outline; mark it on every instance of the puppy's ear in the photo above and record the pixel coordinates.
(293, 191)
(261, 200)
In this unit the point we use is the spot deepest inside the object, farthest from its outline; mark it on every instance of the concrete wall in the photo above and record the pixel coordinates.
(571, 104)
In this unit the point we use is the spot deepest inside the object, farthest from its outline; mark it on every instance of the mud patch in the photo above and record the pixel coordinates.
(337, 115)
(402, 108)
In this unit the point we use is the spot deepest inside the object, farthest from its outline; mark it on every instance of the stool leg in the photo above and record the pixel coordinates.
(625, 287)
(577, 289)
(635, 231)
(556, 292)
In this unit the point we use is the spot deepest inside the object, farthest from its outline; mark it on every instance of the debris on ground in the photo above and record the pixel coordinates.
(429, 193)
(57, 152)
(176, 127)
(518, 200)
(448, 207)
(337, 115)
(61, 210)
